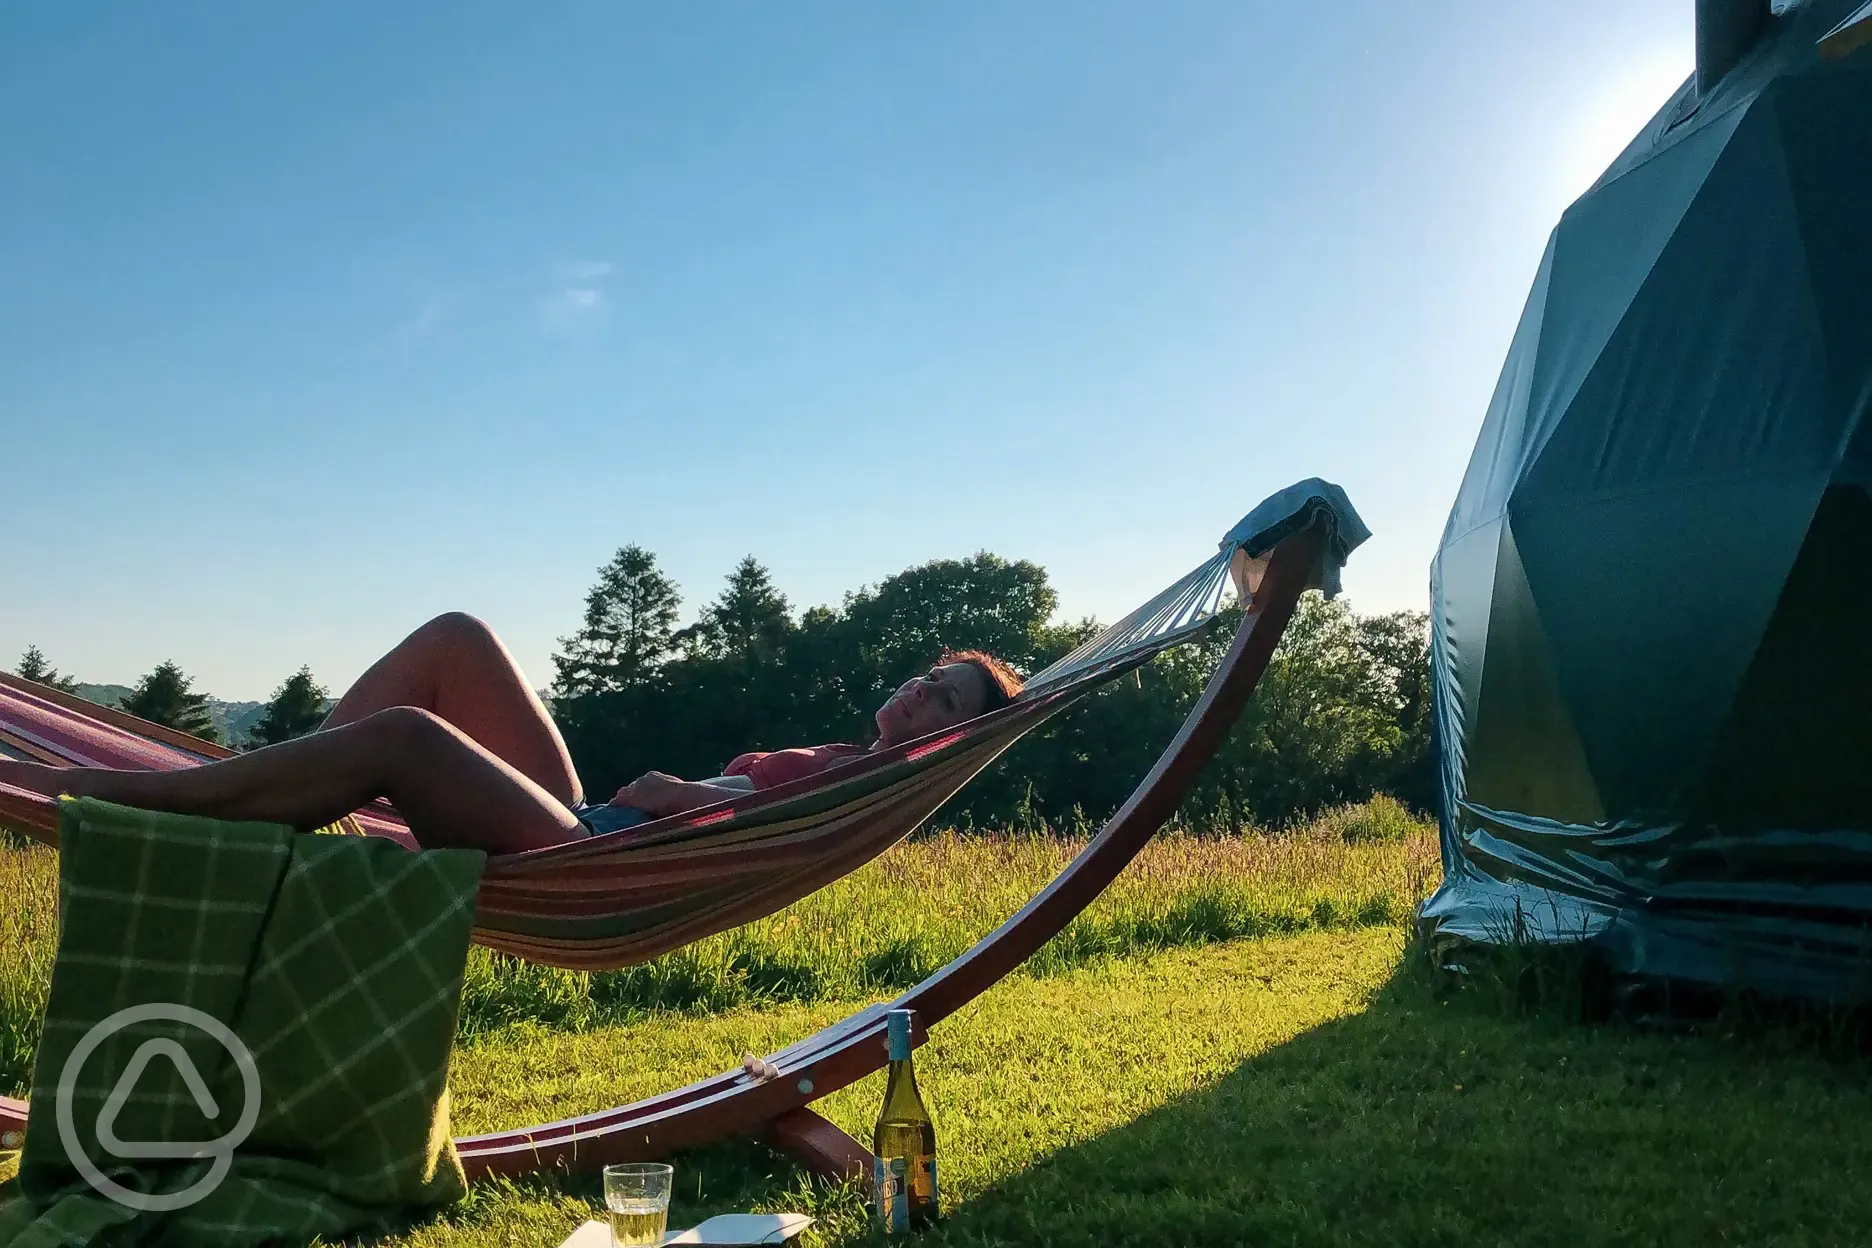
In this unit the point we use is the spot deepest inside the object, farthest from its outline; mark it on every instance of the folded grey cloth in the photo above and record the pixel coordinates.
(1286, 513)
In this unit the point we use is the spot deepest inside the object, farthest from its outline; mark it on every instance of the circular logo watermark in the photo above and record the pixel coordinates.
(220, 1150)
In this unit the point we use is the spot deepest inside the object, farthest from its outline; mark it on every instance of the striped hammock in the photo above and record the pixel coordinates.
(621, 897)
(629, 896)
(1296, 540)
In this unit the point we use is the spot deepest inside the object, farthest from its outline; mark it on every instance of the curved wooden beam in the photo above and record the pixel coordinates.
(736, 1103)
(820, 1146)
(1150, 806)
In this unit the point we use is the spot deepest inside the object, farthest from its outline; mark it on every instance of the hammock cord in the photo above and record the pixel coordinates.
(1186, 607)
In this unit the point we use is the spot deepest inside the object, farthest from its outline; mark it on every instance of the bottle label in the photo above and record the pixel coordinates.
(926, 1182)
(893, 1200)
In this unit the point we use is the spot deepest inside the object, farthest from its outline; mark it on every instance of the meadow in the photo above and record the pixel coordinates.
(1241, 1043)
(878, 930)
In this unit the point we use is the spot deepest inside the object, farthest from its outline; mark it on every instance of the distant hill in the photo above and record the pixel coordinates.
(103, 695)
(231, 719)
(234, 719)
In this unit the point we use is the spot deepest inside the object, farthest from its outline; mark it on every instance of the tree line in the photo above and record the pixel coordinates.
(168, 697)
(1342, 713)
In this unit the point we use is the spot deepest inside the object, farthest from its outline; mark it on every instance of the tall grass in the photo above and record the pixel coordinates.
(895, 921)
(28, 938)
(886, 926)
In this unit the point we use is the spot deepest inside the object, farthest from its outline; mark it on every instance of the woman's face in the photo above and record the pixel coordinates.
(947, 696)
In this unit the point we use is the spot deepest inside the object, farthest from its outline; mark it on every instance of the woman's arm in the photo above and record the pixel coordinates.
(657, 793)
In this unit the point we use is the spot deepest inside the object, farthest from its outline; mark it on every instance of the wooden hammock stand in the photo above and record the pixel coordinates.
(778, 1108)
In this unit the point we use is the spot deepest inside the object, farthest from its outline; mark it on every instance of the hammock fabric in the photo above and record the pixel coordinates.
(608, 900)
(621, 897)
(628, 896)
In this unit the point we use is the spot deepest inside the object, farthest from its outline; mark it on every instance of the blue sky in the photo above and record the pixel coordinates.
(318, 319)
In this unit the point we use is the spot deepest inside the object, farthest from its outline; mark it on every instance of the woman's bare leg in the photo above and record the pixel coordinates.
(456, 667)
(452, 791)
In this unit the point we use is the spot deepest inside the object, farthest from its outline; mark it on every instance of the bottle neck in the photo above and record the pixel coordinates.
(897, 1035)
(901, 1097)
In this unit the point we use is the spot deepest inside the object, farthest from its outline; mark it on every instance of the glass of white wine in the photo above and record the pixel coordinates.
(637, 1196)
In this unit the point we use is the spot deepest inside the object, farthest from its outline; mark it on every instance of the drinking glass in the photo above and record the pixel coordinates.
(637, 1196)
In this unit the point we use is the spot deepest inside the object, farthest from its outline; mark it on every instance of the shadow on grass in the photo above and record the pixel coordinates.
(1459, 1118)
(1500, 1113)
(1465, 1118)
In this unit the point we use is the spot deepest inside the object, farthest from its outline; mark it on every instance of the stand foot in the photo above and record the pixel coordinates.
(818, 1145)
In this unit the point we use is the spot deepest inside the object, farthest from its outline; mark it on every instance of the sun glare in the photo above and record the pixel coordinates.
(1609, 116)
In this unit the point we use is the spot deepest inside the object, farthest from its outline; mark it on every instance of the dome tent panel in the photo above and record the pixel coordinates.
(1461, 593)
(1652, 604)
(1521, 715)
(1825, 122)
(1606, 247)
(1499, 457)
(1795, 750)
(1717, 366)
(1643, 639)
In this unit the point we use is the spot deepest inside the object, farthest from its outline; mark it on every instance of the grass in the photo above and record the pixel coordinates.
(1307, 1084)
(28, 938)
(878, 930)
(1310, 1089)
(1036, 1066)
(890, 924)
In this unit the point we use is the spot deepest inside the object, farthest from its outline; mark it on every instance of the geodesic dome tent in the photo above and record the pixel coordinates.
(1652, 604)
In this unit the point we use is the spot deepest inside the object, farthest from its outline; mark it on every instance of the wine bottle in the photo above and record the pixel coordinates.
(903, 1147)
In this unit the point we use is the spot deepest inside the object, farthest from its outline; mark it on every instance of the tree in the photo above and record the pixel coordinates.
(1323, 723)
(297, 707)
(1399, 644)
(165, 697)
(824, 658)
(610, 690)
(33, 667)
(627, 632)
(748, 624)
(734, 687)
(1342, 712)
(983, 602)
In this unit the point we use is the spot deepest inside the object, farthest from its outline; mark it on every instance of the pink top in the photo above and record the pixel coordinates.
(776, 767)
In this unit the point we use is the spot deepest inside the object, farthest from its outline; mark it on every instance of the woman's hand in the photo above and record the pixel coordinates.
(658, 793)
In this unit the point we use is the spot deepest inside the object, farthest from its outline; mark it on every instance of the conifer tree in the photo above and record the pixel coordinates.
(627, 632)
(167, 697)
(296, 708)
(33, 666)
(748, 623)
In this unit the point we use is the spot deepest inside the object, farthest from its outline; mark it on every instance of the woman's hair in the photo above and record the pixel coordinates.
(1003, 685)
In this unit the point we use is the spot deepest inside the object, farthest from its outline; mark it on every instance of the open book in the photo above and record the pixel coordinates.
(727, 1230)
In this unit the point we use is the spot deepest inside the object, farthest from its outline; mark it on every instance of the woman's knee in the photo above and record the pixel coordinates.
(410, 733)
(458, 628)
(462, 648)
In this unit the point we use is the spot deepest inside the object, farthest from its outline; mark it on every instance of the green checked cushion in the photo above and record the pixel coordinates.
(336, 962)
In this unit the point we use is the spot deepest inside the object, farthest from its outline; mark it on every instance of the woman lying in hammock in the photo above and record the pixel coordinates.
(448, 730)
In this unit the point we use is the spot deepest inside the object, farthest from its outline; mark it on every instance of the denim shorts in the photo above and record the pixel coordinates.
(601, 819)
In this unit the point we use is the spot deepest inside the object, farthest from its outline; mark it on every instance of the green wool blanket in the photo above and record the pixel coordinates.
(247, 1038)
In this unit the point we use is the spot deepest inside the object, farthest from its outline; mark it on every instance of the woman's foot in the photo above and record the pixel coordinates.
(39, 778)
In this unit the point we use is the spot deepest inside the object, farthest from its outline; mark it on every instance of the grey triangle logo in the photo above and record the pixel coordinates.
(219, 1151)
(146, 1053)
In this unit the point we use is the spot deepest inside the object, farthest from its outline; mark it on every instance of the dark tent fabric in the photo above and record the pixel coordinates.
(1651, 609)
